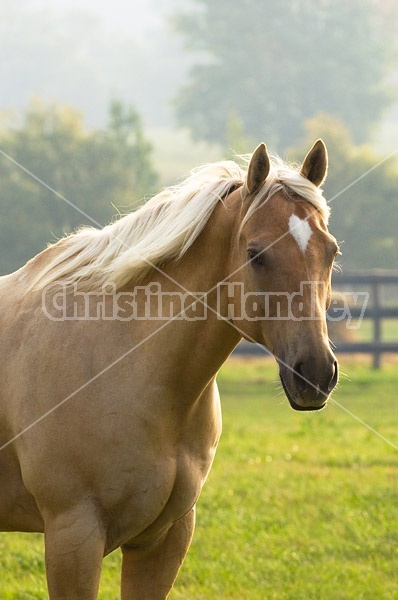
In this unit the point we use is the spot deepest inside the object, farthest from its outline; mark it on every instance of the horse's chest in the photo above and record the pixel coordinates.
(164, 495)
(192, 466)
(170, 483)
(191, 474)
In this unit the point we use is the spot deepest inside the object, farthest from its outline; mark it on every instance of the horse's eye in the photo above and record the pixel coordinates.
(256, 257)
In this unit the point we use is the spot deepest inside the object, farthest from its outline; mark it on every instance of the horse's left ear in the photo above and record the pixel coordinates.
(315, 164)
(258, 169)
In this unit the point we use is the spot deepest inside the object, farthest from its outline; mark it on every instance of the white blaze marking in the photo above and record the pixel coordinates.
(301, 231)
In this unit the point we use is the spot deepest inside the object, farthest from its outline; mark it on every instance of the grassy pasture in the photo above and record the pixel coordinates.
(297, 506)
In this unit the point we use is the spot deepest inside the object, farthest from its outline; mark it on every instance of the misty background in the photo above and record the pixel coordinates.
(106, 103)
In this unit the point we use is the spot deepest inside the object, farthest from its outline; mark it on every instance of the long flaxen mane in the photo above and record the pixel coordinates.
(162, 229)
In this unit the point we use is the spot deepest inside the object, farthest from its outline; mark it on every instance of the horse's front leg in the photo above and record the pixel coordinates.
(74, 545)
(149, 574)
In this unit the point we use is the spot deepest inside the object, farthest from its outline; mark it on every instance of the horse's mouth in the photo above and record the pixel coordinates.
(294, 404)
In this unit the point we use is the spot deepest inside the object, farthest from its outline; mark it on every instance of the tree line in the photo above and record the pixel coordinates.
(280, 72)
(276, 64)
(289, 72)
(57, 175)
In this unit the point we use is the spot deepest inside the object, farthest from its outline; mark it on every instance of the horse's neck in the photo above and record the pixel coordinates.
(210, 340)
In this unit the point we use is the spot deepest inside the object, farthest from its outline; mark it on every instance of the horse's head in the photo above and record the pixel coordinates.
(283, 264)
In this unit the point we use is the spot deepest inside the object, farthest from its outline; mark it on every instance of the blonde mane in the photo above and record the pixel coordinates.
(164, 228)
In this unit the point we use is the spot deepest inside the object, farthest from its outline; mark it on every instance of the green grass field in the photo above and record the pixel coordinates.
(297, 506)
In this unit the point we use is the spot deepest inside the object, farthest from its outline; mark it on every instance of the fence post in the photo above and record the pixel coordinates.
(376, 293)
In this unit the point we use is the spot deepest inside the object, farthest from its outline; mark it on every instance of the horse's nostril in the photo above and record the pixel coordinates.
(335, 376)
(299, 377)
(318, 379)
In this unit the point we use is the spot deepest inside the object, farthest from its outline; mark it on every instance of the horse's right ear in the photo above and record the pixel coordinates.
(258, 169)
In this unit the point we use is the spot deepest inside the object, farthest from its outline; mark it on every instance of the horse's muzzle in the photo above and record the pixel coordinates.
(308, 384)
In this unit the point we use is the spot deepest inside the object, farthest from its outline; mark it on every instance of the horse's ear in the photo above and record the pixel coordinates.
(315, 164)
(258, 169)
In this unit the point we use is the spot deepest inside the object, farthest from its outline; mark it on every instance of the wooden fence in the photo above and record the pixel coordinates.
(374, 283)
(358, 296)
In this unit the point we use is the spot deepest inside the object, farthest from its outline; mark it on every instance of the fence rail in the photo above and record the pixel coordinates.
(374, 283)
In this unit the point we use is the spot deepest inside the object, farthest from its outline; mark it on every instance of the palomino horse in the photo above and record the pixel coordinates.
(111, 342)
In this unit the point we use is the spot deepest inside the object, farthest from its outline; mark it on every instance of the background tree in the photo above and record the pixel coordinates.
(275, 64)
(94, 170)
(363, 189)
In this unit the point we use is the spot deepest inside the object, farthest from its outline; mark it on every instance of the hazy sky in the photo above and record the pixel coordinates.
(86, 52)
(127, 15)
